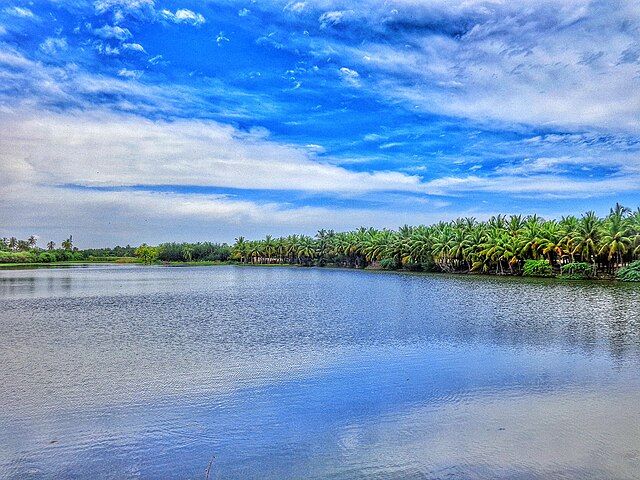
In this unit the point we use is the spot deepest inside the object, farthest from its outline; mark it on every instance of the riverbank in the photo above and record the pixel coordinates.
(600, 277)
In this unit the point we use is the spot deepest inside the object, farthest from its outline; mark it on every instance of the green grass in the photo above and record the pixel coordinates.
(70, 262)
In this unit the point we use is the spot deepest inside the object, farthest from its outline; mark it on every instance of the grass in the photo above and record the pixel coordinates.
(70, 262)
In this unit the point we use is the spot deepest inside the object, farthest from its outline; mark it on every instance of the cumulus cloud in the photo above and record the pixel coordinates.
(183, 16)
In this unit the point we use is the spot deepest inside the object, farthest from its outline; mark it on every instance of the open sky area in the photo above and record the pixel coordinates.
(130, 121)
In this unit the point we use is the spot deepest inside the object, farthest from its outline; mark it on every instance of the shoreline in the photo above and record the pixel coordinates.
(78, 263)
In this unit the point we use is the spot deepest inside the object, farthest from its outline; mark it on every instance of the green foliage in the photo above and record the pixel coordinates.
(18, 257)
(147, 254)
(108, 253)
(47, 257)
(578, 270)
(194, 252)
(507, 245)
(537, 268)
(390, 264)
(630, 273)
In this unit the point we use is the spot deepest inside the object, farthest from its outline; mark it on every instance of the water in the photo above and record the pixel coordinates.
(115, 372)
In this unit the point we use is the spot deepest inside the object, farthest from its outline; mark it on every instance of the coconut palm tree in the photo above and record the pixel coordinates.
(587, 237)
(616, 236)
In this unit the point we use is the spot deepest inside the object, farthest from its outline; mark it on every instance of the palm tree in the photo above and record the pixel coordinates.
(616, 238)
(51, 245)
(634, 223)
(269, 247)
(239, 249)
(68, 243)
(587, 237)
(187, 252)
(568, 230)
(530, 237)
(306, 249)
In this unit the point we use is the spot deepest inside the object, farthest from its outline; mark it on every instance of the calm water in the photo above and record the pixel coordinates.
(130, 372)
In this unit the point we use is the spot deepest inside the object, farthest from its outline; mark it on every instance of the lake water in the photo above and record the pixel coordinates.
(116, 372)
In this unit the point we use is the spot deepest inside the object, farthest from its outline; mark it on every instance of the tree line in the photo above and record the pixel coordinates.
(501, 245)
(578, 247)
(14, 250)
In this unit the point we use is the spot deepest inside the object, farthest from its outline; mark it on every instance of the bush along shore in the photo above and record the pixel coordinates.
(585, 247)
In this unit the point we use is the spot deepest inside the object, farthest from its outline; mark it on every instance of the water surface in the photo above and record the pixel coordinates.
(154, 372)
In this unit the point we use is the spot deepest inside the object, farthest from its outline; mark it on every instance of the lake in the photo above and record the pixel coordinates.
(116, 372)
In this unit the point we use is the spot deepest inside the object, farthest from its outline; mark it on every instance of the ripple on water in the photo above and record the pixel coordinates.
(129, 372)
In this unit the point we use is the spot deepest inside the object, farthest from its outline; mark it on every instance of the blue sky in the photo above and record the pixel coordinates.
(129, 121)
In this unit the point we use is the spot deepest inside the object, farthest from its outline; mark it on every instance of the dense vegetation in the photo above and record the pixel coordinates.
(13, 250)
(571, 247)
(575, 247)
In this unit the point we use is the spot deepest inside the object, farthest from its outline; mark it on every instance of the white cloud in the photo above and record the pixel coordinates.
(136, 151)
(51, 46)
(135, 74)
(134, 46)
(41, 154)
(116, 32)
(183, 16)
(329, 19)
(527, 62)
(103, 217)
(541, 186)
(19, 12)
(138, 9)
(221, 38)
(104, 5)
(295, 6)
(106, 49)
(350, 76)
(243, 12)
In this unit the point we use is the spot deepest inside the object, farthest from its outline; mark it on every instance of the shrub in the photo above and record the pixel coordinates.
(577, 270)
(19, 257)
(46, 257)
(389, 264)
(630, 273)
(537, 268)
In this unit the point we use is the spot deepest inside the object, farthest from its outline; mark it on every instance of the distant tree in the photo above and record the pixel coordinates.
(147, 254)
(32, 240)
(51, 245)
(68, 243)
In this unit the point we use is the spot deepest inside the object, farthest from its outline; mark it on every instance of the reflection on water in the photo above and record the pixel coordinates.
(132, 372)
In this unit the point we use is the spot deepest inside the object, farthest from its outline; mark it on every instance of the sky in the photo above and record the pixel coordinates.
(131, 121)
